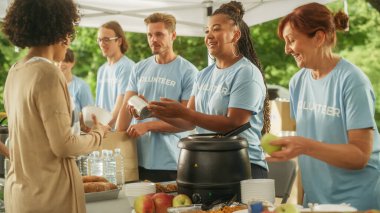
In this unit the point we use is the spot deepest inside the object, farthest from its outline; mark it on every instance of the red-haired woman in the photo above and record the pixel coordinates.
(332, 101)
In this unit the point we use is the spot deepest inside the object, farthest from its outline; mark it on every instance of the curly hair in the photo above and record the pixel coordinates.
(30, 23)
(235, 11)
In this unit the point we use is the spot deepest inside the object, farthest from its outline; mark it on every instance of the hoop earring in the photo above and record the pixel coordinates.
(210, 56)
(236, 51)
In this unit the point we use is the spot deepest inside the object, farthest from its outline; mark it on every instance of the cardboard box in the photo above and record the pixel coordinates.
(128, 149)
(280, 117)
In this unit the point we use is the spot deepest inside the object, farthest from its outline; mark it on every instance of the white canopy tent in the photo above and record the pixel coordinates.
(191, 15)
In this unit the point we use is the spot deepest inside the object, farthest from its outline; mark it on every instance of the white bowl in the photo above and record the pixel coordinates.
(334, 208)
(139, 188)
(103, 116)
(131, 200)
(140, 185)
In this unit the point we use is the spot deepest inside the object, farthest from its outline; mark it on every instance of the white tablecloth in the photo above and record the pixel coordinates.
(120, 205)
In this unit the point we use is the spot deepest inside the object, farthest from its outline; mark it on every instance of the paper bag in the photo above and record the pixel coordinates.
(128, 149)
(280, 117)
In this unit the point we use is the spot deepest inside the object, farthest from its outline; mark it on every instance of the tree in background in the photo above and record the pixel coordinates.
(89, 56)
(375, 4)
(360, 45)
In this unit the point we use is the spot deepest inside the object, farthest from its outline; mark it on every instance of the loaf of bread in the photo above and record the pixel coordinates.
(98, 186)
(87, 179)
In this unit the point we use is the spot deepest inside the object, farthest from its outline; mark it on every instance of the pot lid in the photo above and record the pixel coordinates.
(4, 130)
(212, 142)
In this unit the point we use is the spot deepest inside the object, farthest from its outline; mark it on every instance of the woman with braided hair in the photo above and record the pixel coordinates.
(228, 93)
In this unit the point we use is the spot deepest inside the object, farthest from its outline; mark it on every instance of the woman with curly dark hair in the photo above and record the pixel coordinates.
(230, 92)
(43, 176)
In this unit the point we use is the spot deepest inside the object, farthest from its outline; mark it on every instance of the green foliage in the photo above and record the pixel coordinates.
(361, 46)
(89, 56)
(8, 56)
(278, 67)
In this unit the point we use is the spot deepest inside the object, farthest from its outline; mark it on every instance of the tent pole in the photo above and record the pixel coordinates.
(209, 8)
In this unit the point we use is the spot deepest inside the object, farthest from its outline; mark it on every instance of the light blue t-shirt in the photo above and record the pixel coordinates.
(112, 80)
(80, 92)
(325, 110)
(238, 86)
(174, 80)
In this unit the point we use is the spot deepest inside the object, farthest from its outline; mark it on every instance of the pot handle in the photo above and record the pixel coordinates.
(3, 119)
(238, 130)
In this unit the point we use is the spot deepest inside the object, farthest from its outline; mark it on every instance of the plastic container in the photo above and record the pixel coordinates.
(96, 164)
(84, 165)
(140, 105)
(103, 116)
(183, 209)
(109, 166)
(119, 170)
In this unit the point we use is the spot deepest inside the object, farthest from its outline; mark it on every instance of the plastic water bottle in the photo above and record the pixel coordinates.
(89, 163)
(83, 165)
(77, 161)
(109, 166)
(96, 164)
(119, 173)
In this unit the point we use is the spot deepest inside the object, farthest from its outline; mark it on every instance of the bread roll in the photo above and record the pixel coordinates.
(98, 186)
(87, 179)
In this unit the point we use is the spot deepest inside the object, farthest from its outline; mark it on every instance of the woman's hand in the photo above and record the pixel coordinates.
(292, 146)
(167, 108)
(83, 126)
(132, 111)
(98, 126)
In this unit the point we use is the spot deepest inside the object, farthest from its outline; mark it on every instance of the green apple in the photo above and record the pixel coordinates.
(286, 208)
(265, 143)
(181, 200)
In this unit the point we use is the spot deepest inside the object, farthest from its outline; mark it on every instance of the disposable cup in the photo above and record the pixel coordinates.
(102, 115)
(140, 105)
(257, 189)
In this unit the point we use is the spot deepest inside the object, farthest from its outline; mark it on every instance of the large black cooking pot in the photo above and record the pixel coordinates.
(210, 167)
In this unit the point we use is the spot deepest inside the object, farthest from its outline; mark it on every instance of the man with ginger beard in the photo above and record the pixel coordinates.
(164, 74)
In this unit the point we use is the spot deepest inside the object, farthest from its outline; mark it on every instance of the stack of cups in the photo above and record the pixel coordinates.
(133, 190)
(257, 190)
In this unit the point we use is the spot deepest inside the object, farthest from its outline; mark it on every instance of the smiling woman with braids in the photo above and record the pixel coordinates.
(228, 93)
